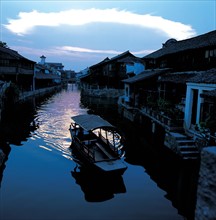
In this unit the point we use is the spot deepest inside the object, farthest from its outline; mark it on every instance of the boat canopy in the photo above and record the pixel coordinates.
(91, 122)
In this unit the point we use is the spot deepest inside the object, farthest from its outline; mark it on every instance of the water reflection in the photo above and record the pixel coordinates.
(15, 127)
(6, 150)
(100, 105)
(38, 173)
(44, 120)
(97, 186)
(53, 118)
(16, 123)
(179, 180)
(176, 177)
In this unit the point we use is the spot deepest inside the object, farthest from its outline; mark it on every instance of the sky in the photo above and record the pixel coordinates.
(81, 33)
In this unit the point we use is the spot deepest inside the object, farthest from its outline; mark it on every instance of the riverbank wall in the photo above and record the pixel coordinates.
(38, 92)
(157, 129)
(10, 100)
(206, 190)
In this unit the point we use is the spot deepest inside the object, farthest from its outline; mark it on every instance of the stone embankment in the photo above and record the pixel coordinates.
(206, 191)
(37, 92)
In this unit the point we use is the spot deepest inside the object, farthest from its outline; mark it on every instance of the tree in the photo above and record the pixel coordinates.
(3, 44)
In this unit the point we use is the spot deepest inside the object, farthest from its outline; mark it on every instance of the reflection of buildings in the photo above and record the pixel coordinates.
(16, 126)
(180, 185)
(99, 105)
(98, 187)
(16, 123)
(178, 178)
(4, 152)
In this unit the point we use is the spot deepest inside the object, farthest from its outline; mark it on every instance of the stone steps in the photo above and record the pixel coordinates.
(185, 142)
(185, 146)
(189, 152)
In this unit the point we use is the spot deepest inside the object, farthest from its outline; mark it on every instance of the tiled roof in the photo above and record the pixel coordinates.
(145, 75)
(120, 56)
(200, 41)
(98, 64)
(177, 77)
(116, 58)
(208, 76)
(209, 94)
(130, 60)
(11, 54)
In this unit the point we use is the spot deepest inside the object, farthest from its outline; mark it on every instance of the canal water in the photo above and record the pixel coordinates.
(41, 181)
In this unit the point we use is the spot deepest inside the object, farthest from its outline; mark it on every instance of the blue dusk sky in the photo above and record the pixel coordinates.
(79, 34)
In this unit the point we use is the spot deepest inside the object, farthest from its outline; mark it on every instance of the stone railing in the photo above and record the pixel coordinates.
(162, 118)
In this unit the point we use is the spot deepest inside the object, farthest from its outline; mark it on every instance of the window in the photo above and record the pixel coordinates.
(210, 53)
(4, 62)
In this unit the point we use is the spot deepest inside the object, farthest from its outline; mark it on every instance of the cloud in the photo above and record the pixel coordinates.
(86, 50)
(72, 51)
(27, 21)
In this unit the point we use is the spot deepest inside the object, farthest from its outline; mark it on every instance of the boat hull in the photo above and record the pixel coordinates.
(108, 166)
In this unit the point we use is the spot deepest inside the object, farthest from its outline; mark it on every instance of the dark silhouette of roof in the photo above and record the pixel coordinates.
(7, 53)
(118, 58)
(122, 55)
(173, 46)
(100, 63)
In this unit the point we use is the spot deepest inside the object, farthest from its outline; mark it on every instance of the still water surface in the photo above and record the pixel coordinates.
(41, 181)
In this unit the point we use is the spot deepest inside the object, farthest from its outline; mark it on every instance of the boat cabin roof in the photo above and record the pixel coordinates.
(91, 122)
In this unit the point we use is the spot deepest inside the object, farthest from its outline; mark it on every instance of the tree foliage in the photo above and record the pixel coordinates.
(3, 44)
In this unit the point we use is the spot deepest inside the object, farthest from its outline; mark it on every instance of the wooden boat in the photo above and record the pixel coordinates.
(98, 142)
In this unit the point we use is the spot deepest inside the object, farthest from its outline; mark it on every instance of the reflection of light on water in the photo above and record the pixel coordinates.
(68, 157)
(54, 118)
(41, 146)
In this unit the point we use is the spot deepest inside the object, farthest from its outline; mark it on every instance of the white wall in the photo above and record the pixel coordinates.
(136, 68)
(189, 101)
(126, 93)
